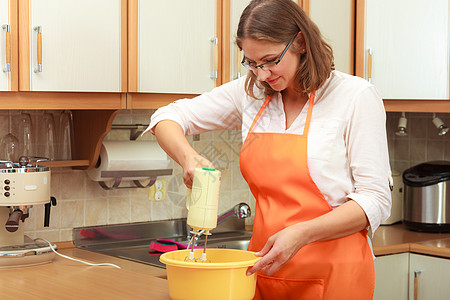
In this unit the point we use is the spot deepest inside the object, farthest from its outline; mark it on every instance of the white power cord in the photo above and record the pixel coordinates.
(74, 259)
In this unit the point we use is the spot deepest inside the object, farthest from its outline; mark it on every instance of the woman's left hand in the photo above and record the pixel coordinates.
(279, 249)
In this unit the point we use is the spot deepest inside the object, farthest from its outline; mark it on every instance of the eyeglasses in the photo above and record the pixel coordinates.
(270, 64)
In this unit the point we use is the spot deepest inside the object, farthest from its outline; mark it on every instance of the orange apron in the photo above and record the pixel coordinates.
(275, 167)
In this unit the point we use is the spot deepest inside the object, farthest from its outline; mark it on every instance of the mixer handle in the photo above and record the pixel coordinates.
(47, 207)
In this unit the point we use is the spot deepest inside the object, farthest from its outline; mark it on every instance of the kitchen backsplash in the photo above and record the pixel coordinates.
(422, 142)
(82, 202)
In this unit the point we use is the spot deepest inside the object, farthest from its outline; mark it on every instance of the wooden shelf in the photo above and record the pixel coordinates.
(62, 100)
(433, 106)
(65, 163)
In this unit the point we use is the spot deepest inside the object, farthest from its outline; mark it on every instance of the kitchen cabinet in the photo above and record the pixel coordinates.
(391, 277)
(403, 47)
(429, 277)
(8, 46)
(236, 7)
(77, 46)
(174, 46)
(335, 20)
(411, 276)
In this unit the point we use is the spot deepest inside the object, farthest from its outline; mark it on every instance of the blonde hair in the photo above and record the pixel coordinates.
(277, 21)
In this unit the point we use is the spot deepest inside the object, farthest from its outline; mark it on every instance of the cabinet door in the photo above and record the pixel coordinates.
(8, 46)
(391, 277)
(429, 277)
(177, 46)
(73, 45)
(237, 7)
(408, 41)
(335, 21)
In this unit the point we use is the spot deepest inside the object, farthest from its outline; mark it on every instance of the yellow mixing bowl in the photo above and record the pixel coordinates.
(223, 278)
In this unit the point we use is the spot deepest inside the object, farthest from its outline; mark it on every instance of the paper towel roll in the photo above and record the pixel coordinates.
(129, 156)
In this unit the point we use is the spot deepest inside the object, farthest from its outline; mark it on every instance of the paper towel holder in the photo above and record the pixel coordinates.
(119, 175)
(135, 129)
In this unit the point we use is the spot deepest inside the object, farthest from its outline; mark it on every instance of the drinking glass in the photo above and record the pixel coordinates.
(65, 135)
(48, 135)
(10, 144)
(26, 135)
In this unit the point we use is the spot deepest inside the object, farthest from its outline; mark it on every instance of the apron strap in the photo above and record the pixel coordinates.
(258, 115)
(308, 116)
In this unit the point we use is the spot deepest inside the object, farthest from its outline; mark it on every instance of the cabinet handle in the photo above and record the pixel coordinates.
(215, 49)
(238, 62)
(7, 28)
(416, 284)
(38, 29)
(369, 65)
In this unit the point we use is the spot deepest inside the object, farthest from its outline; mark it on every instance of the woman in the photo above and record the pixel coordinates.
(314, 155)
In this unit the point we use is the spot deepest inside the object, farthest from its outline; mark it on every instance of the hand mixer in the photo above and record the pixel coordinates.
(202, 204)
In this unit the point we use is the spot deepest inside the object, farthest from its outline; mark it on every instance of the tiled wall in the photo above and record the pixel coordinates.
(82, 202)
(422, 143)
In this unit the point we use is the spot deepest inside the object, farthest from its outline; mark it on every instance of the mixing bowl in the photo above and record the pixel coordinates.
(222, 278)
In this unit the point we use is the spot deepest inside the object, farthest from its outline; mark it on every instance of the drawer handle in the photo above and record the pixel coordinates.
(416, 284)
(215, 49)
(38, 29)
(7, 67)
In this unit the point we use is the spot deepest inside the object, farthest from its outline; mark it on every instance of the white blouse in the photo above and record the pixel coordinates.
(347, 144)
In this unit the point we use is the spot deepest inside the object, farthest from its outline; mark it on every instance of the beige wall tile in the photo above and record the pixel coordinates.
(119, 210)
(95, 212)
(72, 213)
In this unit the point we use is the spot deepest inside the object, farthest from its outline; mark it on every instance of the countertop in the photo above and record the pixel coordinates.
(391, 239)
(66, 279)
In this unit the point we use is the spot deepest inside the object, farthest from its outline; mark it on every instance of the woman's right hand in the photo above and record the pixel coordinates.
(190, 164)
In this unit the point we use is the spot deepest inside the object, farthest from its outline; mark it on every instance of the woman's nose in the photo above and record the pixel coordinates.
(262, 74)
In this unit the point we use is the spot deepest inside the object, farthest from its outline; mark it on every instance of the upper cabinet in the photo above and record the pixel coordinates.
(8, 45)
(335, 20)
(173, 46)
(235, 57)
(77, 46)
(403, 47)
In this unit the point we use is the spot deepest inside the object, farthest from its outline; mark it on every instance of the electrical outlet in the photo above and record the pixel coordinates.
(158, 191)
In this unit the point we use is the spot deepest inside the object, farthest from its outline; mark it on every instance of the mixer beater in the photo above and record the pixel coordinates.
(202, 204)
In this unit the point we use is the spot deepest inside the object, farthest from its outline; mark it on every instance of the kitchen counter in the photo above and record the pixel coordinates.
(391, 239)
(73, 280)
(66, 279)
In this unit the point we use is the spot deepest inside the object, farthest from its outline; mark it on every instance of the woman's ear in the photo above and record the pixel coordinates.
(300, 41)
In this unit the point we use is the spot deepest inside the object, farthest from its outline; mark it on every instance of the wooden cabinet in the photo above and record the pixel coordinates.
(233, 70)
(403, 47)
(174, 46)
(429, 277)
(335, 20)
(8, 46)
(73, 46)
(411, 276)
(391, 277)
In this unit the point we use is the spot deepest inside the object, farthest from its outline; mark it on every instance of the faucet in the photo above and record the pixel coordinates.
(241, 211)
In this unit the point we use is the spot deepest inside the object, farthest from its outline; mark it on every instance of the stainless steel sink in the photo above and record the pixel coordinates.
(132, 241)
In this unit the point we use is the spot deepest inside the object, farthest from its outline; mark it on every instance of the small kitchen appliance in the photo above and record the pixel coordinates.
(23, 185)
(202, 205)
(223, 274)
(427, 197)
